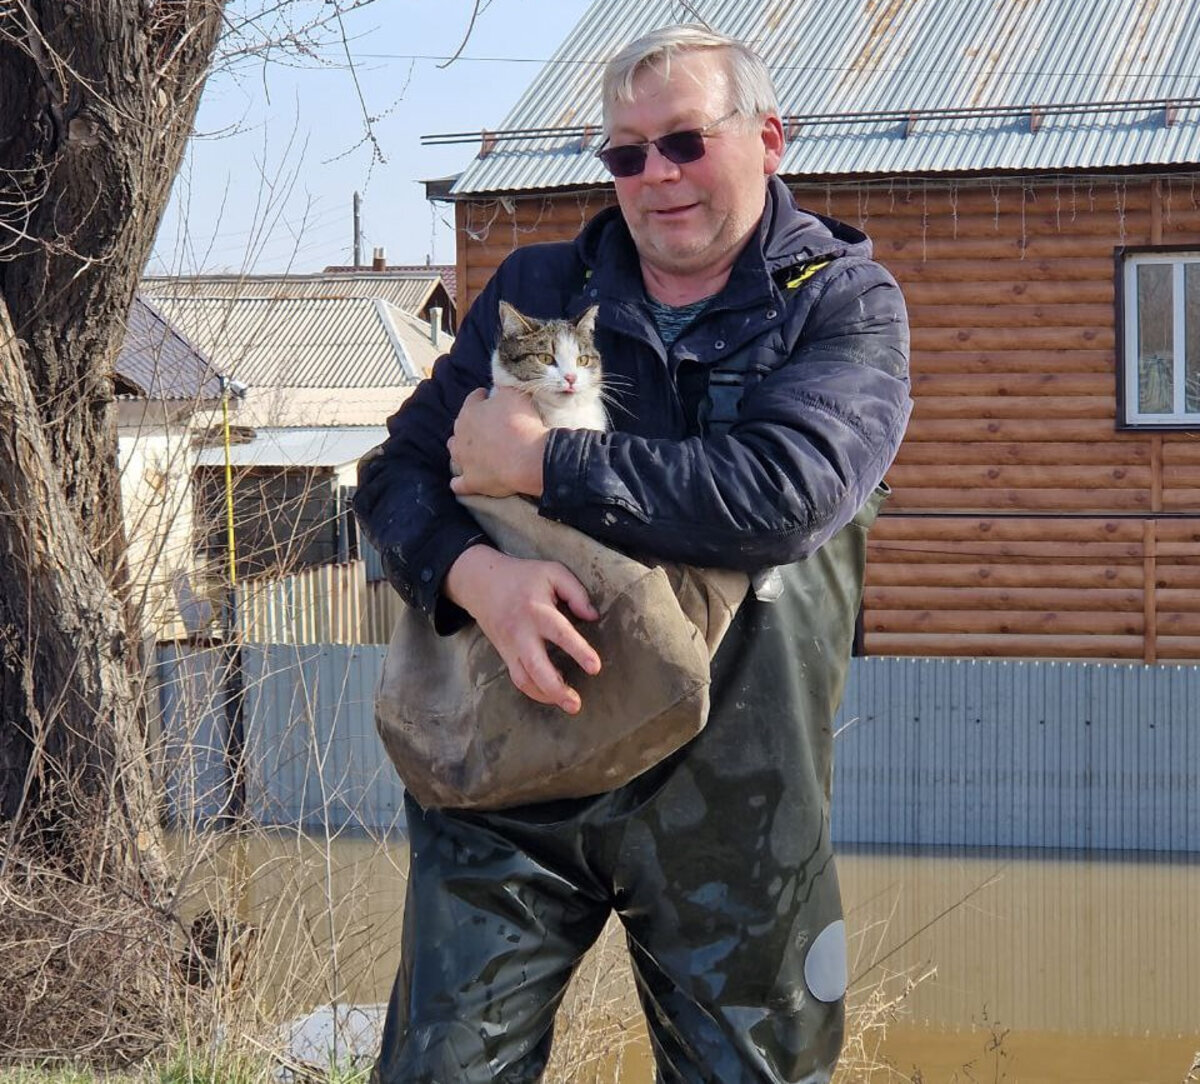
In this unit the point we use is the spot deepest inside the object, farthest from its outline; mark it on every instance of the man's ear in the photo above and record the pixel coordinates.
(773, 143)
(511, 320)
(586, 320)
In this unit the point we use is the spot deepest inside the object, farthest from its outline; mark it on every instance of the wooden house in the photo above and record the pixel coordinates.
(1028, 171)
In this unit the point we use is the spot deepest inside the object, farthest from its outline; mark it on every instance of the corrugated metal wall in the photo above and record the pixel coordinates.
(938, 752)
(194, 726)
(930, 752)
(312, 753)
(312, 757)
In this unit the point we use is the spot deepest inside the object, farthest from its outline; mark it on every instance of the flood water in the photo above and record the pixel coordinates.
(1032, 967)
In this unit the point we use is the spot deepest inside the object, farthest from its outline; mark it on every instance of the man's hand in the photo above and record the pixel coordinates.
(498, 444)
(515, 603)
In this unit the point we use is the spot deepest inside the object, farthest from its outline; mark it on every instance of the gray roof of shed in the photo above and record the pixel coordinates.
(160, 362)
(409, 288)
(357, 342)
(833, 62)
(301, 446)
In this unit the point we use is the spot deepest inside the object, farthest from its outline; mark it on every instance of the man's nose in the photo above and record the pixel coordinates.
(658, 166)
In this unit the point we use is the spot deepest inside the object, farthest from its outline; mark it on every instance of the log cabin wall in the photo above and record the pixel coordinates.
(1023, 523)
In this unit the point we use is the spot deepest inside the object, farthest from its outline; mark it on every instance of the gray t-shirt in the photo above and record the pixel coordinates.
(672, 319)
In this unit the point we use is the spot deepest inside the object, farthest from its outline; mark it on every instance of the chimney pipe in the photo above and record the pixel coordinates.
(379, 262)
(357, 231)
(435, 324)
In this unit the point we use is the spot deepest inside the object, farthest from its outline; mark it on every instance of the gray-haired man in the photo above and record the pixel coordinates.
(763, 357)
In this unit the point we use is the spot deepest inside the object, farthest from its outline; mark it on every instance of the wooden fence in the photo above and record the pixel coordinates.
(327, 604)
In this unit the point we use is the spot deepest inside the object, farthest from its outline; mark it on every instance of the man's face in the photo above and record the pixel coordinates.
(693, 218)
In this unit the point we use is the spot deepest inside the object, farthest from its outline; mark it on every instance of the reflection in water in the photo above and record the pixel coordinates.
(327, 913)
(1086, 968)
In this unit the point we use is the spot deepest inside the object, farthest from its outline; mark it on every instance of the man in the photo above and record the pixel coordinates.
(759, 362)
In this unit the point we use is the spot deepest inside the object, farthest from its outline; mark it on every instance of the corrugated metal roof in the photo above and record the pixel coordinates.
(287, 342)
(408, 288)
(159, 361)
(835, 59)
(447, 271)
(306, 446)
(319, 406)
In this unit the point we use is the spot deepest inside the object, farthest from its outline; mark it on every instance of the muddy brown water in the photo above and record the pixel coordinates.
(1037, 967)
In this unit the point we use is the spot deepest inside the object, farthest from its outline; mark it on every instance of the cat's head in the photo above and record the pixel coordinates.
(552, 360)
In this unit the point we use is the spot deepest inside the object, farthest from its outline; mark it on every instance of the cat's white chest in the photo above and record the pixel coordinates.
(574, 412)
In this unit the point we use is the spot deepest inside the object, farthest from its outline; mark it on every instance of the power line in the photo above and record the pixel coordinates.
(834, 68)
(793, 121)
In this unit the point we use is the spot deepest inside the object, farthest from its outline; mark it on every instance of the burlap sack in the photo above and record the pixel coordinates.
(463, 736)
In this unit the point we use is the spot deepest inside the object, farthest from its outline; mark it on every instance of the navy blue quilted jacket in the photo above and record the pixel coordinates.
(825, 405)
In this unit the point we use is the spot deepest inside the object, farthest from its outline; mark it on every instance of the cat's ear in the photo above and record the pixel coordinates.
(511, 320)
(586, 320)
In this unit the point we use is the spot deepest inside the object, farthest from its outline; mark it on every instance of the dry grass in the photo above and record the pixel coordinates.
(86, 970)
(870, 1011)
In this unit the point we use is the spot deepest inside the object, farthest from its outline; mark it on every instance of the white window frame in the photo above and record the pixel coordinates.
(1180, 418)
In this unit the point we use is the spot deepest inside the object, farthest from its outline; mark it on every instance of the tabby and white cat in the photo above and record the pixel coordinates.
(556, 363)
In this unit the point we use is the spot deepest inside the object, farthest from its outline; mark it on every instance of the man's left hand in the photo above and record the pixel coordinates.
(497, 445)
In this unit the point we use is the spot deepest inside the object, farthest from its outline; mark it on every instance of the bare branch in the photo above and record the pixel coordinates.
(466, 37)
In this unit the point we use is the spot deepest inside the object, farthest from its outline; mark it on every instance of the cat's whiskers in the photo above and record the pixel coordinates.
(611, 379)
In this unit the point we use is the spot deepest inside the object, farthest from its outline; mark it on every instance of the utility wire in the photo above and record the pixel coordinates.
(835, 68)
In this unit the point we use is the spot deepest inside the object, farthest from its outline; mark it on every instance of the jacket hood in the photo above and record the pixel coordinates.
(787, 235)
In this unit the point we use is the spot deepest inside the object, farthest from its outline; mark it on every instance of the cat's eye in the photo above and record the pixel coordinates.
(543, 359)
(585, 361)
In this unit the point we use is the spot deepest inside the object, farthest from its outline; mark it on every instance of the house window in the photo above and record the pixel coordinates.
(1160, 338)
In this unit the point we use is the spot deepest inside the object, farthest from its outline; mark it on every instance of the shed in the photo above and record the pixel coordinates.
(290, 491)
(166, 389)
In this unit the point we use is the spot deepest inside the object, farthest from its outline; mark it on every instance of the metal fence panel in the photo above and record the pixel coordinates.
(928, 753)
(312, 754)
(194, 707)
(985, 753)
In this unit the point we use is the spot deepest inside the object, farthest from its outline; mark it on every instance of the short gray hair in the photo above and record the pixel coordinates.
(751, 91)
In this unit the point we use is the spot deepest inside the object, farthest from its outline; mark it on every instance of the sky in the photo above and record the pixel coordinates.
(267, 183)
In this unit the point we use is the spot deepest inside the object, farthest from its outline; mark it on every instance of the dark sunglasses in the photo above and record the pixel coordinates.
(629, 159)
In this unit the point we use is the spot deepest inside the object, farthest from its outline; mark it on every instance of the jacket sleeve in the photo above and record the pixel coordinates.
(812, 440)
(403, 501)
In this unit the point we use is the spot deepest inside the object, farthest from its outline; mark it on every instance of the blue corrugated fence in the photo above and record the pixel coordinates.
(929, 752)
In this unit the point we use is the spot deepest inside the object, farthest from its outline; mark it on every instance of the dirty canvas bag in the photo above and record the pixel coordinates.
(461, 735)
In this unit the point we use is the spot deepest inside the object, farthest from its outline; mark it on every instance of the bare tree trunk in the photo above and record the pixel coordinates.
(73, 758)
(99, 99)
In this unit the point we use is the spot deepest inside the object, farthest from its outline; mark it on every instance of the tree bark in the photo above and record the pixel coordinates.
(99, 100)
